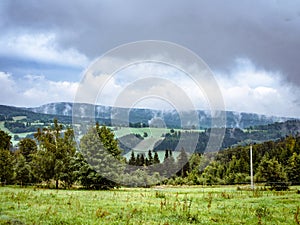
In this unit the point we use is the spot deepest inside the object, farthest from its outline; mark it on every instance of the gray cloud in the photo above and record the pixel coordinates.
(267, 32)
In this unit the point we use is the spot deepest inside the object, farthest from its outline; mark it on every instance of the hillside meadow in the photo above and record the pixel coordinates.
(157, 205)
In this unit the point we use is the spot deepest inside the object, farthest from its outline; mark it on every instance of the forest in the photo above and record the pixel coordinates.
(51, 159)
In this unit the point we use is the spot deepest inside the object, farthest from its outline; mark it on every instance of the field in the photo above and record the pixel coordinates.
(158, 205)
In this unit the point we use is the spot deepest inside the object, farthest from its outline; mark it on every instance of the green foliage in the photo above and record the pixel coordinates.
(272, 172)
(101, 152)
(6, 166)
(183, 163)
(27, 147)
(293, 168)
(56, 150)
(5, 140)
(20, 127)
(23, 174)
(156, 158)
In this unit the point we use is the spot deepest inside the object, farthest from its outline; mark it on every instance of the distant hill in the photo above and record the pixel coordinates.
(242, 128)
(170, 117)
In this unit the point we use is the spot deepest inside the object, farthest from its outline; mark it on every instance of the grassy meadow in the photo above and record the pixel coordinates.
(157, 205)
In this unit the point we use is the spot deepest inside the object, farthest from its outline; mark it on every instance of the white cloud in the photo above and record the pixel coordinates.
(245, 89)
(40, 47)
(34, 90)
(249, 89)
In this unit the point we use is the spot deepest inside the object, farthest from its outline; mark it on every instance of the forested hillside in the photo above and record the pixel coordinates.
(232, 136)
(52, 157)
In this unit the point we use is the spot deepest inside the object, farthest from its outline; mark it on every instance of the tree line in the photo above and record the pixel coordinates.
(51, 158)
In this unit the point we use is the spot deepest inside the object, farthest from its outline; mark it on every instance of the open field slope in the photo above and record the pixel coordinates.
(161, 205)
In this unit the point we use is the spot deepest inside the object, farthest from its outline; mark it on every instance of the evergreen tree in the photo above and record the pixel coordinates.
(108, 140)
(101, 151)
(166, 154)
(142, 160)
(169, 166)
(183, 163)
(138, 160)
(156, 158)
(293, 168)
(132, 160)
(150, 158)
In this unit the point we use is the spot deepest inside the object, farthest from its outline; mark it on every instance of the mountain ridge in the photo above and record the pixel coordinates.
(148, 116)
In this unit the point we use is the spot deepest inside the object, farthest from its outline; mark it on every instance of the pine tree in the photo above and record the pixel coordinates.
(108, 140)
(138, 160)
(293, 168)
(142, 160)
(100, 150)
(183, 163)
(156, 159)
(166, 154)
(132, 160)
(150, 158)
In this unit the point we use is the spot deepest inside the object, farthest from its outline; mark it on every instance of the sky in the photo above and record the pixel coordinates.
(252, 47)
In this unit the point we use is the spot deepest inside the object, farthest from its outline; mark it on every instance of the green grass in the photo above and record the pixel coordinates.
(152, 132)
(16, 118)
(161, 205)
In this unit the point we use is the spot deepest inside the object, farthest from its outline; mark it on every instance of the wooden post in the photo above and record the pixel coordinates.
(251, 168)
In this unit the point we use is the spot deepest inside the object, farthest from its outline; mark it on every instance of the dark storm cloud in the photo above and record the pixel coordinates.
(267, 32)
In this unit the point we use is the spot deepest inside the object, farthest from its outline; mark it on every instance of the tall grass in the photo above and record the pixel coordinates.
(163, 205)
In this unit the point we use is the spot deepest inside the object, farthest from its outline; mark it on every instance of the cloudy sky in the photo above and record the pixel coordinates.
(251, 46)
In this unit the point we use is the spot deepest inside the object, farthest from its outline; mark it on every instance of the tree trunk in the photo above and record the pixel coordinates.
(56, 184)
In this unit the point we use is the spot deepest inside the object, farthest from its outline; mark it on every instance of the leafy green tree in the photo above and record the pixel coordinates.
(272, 172)
(6, 159)
(5, 140)
(56, 149)
(210, 173)
(6, 166)
(27, 147)
(23, 173)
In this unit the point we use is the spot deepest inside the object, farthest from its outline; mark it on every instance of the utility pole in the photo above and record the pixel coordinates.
(251, 168)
